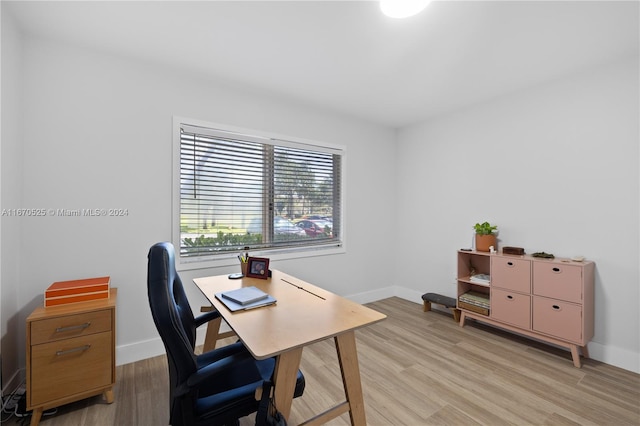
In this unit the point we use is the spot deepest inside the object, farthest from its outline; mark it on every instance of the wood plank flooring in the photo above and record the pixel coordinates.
(418, 368)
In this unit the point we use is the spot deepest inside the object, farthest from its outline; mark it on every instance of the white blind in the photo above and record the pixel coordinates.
(241, 191)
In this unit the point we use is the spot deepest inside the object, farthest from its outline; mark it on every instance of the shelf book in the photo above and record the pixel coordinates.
(480, 279)
(475, 301)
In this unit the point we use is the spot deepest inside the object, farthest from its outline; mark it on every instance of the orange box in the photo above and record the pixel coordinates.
(63, 292)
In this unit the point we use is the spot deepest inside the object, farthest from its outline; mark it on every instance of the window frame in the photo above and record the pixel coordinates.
(230, 258)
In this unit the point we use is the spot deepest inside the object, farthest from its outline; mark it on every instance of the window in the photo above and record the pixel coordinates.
(237, 190)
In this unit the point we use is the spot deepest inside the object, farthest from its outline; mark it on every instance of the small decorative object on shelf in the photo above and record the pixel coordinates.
(513, 250)
(485, 236)
(543, 255)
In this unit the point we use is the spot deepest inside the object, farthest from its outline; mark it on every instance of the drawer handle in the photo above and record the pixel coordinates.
(510, 297)
(69, 351)
(555, 307)
(73, 327)
(509, 263)
(556, 270)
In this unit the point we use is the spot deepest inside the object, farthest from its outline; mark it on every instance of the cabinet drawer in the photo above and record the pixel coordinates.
(64, 327)
(511, 307)
(71, 366)
(558, 318)
(512, 274)
(557, 281)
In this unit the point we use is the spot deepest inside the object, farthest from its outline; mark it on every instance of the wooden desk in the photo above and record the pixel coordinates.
(304, 314)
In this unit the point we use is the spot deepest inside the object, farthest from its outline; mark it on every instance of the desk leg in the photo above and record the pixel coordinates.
(348, 358)
(284, 376)
(213, 328)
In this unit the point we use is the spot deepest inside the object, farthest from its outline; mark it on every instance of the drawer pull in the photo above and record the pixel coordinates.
(73, 327)
(69, 351)
(510, 297)
(556, 270)
(509, 263)
(555, 307)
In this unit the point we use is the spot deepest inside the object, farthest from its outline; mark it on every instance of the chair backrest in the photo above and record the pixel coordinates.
(173, 318)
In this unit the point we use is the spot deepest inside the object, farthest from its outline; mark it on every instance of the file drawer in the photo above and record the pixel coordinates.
(68, 326)
(511, 307)
(558, 318)
(69, 367)
(558, 281)
(513, 274)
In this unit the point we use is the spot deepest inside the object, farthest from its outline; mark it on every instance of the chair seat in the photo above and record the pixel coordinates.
(241, 399)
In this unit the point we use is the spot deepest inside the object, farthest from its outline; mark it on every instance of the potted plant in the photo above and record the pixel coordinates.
(485, 236)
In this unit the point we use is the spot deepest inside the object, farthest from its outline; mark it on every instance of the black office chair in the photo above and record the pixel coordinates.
(217, 387)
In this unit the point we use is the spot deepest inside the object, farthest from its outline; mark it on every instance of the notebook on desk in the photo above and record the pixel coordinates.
(245, 298)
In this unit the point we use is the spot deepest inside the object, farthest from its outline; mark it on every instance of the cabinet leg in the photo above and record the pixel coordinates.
(456, 314)
(585, 352)
(575, 354)
(462, 318)
(35, 416)
(108, 395)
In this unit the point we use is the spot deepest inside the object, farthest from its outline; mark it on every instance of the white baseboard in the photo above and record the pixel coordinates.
(126, 354)
(617, 357)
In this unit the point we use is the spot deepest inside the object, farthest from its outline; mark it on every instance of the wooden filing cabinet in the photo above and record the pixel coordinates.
(70, 353)
(547, 299)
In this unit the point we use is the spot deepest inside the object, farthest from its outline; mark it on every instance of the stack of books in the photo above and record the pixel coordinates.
(64, 292)
(475, 301)
(480, 279)
(245, 298)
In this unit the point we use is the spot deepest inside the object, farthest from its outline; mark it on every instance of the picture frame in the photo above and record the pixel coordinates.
(258, 267)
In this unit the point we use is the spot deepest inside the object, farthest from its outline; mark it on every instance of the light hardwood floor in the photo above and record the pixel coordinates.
(418, 368)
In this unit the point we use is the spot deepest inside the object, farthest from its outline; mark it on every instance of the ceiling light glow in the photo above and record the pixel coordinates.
(402, 8)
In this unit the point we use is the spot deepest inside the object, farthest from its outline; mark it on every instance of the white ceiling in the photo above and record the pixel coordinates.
(345, 55)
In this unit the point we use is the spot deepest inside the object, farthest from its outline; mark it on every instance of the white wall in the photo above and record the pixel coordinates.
(95, 132)
(98, 134)
(556, 168)
(10, 196)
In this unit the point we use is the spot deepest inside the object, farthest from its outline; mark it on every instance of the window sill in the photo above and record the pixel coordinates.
(225, 260)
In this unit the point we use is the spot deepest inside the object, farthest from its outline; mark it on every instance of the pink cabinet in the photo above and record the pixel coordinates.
(547, 299)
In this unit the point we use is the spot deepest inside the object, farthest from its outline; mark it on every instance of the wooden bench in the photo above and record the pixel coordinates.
(438, 299)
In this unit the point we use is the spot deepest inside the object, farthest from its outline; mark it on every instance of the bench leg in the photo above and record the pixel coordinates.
(426, 306)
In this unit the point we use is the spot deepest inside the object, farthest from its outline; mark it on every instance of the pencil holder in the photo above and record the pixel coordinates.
(243, 268)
